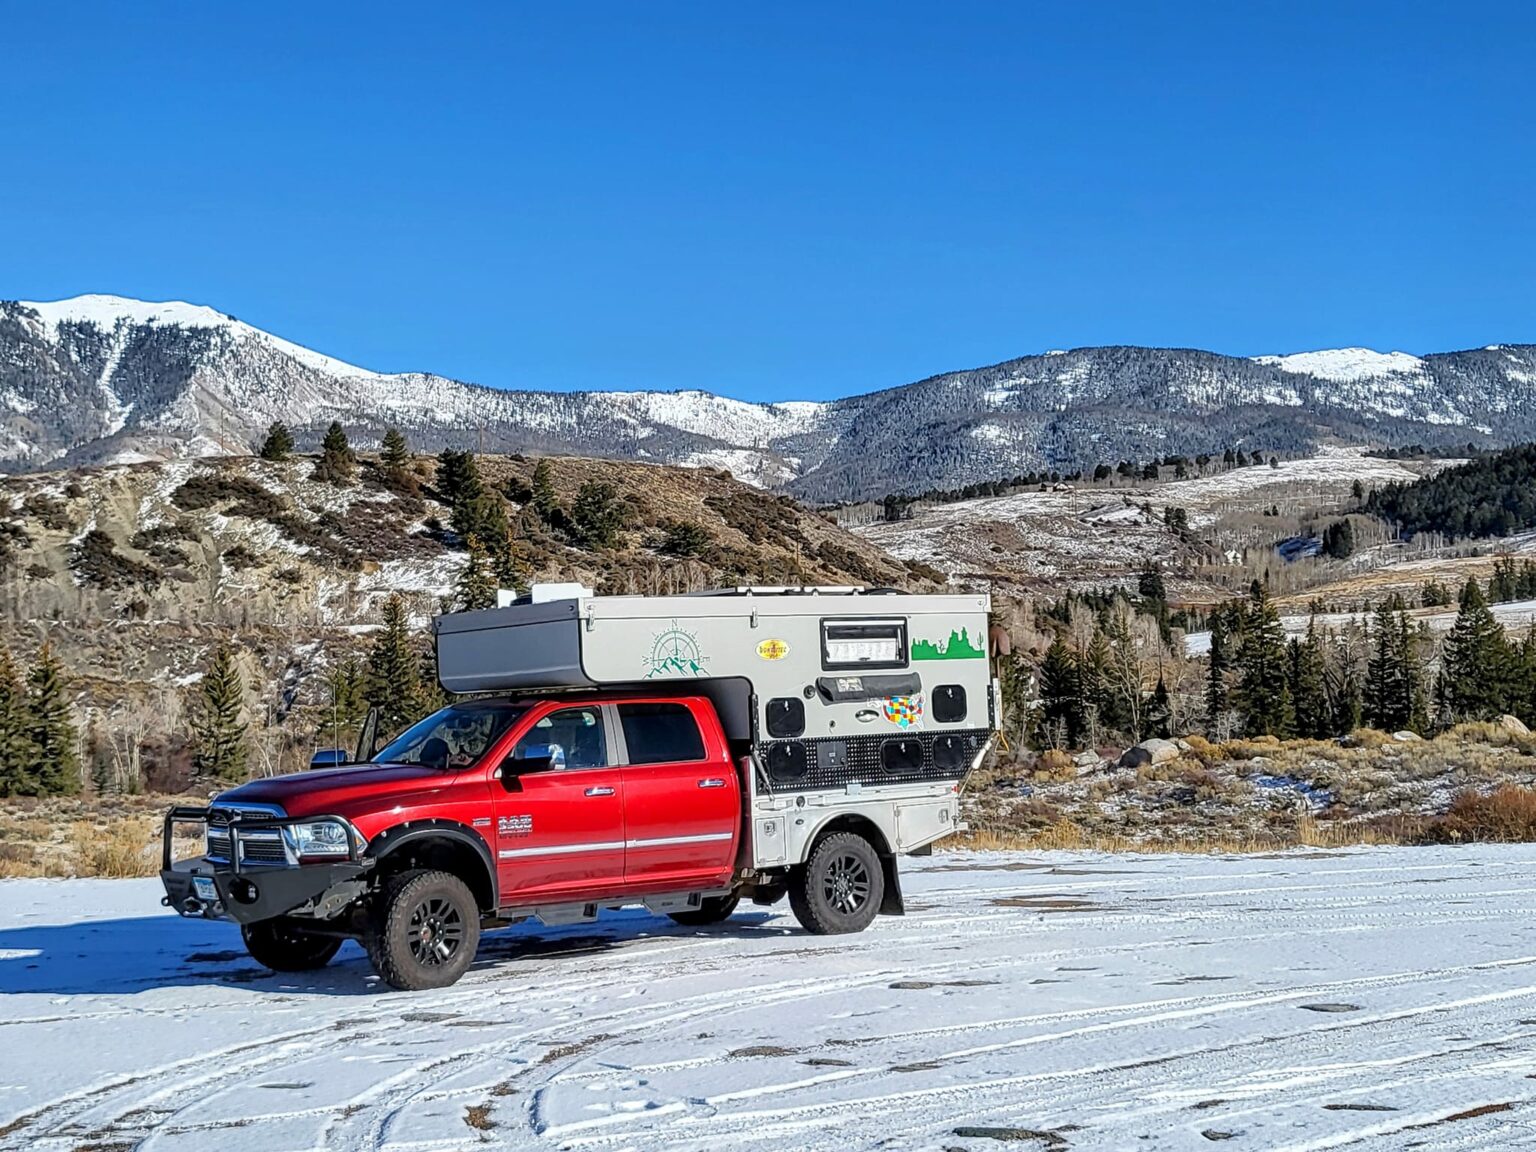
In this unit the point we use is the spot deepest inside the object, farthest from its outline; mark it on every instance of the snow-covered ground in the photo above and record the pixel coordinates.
(1373, 999)
(1517, 616)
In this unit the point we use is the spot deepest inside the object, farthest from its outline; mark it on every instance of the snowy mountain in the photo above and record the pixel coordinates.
(101, 379)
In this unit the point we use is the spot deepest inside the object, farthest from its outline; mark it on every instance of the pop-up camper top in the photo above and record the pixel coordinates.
(828, 687)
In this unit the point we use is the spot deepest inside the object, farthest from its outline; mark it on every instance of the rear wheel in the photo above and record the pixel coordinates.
(283, 947)
(840, 888)
(425, 932)
(713, 910)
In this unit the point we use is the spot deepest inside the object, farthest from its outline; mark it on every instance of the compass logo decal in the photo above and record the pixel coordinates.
(675, 652)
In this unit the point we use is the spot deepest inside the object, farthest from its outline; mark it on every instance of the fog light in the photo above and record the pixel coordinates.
(245, 892)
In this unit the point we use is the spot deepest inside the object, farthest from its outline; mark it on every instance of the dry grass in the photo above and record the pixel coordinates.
(67, 837)
(1306, 832)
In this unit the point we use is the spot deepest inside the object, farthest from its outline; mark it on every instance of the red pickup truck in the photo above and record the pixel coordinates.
(683, 753)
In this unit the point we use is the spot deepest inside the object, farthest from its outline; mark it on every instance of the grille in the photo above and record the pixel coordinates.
(255, 847)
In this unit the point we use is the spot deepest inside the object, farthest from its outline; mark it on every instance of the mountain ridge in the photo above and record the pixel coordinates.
(103, 379)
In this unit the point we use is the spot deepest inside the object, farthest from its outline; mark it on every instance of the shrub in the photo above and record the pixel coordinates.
(1054, 766)
(98, 563)
(1506, 815)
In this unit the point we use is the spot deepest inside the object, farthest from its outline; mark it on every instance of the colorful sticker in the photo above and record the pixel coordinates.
(958, 647)
(675, 652)
(904, 711)
(773, 649)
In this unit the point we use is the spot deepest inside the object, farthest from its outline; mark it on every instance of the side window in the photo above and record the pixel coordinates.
(847, 644)
(660, 733)
(578, 732)
(786, 716)
(949, 703)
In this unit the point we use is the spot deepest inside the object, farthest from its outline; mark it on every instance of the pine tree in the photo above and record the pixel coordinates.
(219, 719)
(1216, 672)
(342, 720)
(1386, 695)
(1093, 673)
(597, 515)
(1477, 659)
(545, 501)
(279, 443)
(1309, 690)
(477, 587)
(1160, 711)
(394, 454)
(393, 681)
(337, 460)
(50, 728)
(1061, 702)
(17, 756)
(1263, 697)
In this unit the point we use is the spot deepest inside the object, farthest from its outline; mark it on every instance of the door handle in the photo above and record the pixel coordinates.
(712, 782)
(600, 791)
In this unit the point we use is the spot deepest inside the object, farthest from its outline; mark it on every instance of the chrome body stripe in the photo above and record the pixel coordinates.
(612, 845)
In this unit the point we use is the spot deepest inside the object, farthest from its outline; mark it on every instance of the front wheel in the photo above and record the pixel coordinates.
(711, 910)
(840, 888)
(283, 947)
(425, 932)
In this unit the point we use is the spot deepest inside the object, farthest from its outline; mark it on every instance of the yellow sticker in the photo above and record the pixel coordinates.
(773, 649)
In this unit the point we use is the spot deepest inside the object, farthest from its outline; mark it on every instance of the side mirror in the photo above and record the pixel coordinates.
(535, 758)
(329, 758)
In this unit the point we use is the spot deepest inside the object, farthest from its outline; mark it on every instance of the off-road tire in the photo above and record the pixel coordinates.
(283, 947)
(713, 910)
(426, 927)
(840, 888)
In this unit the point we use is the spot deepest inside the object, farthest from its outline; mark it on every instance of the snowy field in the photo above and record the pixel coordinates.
(1371, 999)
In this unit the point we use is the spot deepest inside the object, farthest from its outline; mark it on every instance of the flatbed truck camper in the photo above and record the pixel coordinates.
(681, 752)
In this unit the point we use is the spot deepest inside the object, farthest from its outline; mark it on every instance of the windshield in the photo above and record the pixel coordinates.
(454, 738)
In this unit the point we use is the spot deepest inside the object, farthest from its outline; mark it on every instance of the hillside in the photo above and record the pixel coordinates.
(100, 378)
(135, 572)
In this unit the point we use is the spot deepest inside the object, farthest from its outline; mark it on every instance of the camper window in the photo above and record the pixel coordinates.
(863, 644)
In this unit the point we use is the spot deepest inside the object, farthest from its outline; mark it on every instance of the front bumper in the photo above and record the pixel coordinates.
(220, 890)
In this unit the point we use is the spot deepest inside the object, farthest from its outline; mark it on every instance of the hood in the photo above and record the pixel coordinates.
(338, 791)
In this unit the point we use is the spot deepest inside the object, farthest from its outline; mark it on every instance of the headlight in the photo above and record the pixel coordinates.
(323, 839)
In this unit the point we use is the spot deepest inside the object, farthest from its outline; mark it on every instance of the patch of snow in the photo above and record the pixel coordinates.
(1305, 1000)
(1347, 365)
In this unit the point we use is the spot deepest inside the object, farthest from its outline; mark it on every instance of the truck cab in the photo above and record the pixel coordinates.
(534, 796)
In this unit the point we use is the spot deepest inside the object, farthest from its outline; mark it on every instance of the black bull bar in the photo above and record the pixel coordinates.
(246, 893)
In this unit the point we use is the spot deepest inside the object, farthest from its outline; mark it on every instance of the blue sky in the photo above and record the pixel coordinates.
(782, 200)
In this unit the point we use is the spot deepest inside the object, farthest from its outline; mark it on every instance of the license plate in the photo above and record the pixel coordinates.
(203, 886)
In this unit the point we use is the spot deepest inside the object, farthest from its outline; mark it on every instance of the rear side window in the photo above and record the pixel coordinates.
(660, 733)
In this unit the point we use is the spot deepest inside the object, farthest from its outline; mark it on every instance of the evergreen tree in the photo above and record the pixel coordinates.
(1263, 696)
(458, 478)
(1309, 690)
(1093, 673)
(219, 721)
(1160, 711)
(337, 460)
(1061, 702)
(50, 727)
(477, 587)
(393, 680)
(394, 453)
(1389, 694)
(1216, 671)
(279, 443)
(545, 501)
(597, 515)
(17, 756)
(1476, 659)
(347, 708)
